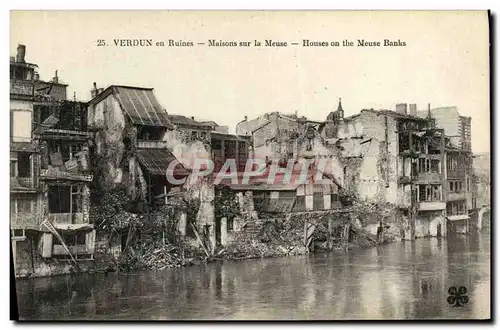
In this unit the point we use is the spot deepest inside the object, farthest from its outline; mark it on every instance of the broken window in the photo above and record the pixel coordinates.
(59, 199)
(424, 165)
(65, 199)
(261, 200)
(404, 141)
(318, 200)
(150, 133)
(13, 168)
(430, 193)
(78, 238)
(435, 192)
(62, 151)
(242, 155)
(217, 154)
(230, 149)
(414, 169)
(194, 135)
(23, 165)
(76, 199)
(452, 163)
(435, 164)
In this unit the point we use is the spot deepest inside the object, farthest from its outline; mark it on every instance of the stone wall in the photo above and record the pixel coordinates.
(107, 117)
(184, 149)
(426, 224)
(370, 163)
(29, 263)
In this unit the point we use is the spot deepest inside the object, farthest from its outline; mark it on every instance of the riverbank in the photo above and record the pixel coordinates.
(275, 239)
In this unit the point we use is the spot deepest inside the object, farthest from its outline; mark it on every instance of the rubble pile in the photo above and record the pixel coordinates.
(158, 258)
(247, 248)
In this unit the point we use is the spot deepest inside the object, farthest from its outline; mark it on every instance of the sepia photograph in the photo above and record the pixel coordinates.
(250, 165)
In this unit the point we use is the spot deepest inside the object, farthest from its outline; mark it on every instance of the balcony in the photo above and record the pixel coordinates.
(56, 174)
(432, 206)
(407, 179)
(456, 174)
(24, 184)
(60, 220)
(146, 144)
(456, 196)
(21, 88)
(428, 177)
(458, 215)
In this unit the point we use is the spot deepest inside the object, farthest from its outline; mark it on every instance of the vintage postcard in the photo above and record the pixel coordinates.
(250, 165)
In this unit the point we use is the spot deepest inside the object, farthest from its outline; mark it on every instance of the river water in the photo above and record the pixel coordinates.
(403, 280)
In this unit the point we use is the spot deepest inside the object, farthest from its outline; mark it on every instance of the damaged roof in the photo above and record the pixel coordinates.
(186, 121)
(140, 105)
(156, 161)
(395, 114)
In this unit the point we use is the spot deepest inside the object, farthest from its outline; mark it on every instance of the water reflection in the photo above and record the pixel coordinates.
(396, 281)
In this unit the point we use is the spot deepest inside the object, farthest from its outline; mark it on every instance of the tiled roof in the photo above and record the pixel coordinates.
(156, 161)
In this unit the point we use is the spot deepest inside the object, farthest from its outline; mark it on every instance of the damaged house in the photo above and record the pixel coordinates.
(191, 140)
(130, 129)
(49, 178)
(60, 128)
(295, 146)
(25, 191)
(460, 190)
(395, 158)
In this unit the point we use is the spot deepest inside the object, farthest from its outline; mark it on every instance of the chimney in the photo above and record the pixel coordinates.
(55, 79)
(94, 91)
(401, 108)
(192, 118)
(21, 52)
(36, 77)
(246, 118)
(413, 109)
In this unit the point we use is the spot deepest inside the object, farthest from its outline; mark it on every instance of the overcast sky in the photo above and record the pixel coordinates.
(445, 61)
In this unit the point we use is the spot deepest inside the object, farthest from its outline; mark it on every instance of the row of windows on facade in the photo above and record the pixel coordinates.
(457, 186)
(62, 199)
(59, 153)
(456, 208)
(429, 193)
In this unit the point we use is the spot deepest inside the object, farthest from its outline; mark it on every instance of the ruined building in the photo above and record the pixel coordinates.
(274, 134)
(25, 191)
(407, 160)
(130, 126)
(49, 177)
(191, 140)
(461, 190)
(60, 127)
(396, 158)
(288, 140)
